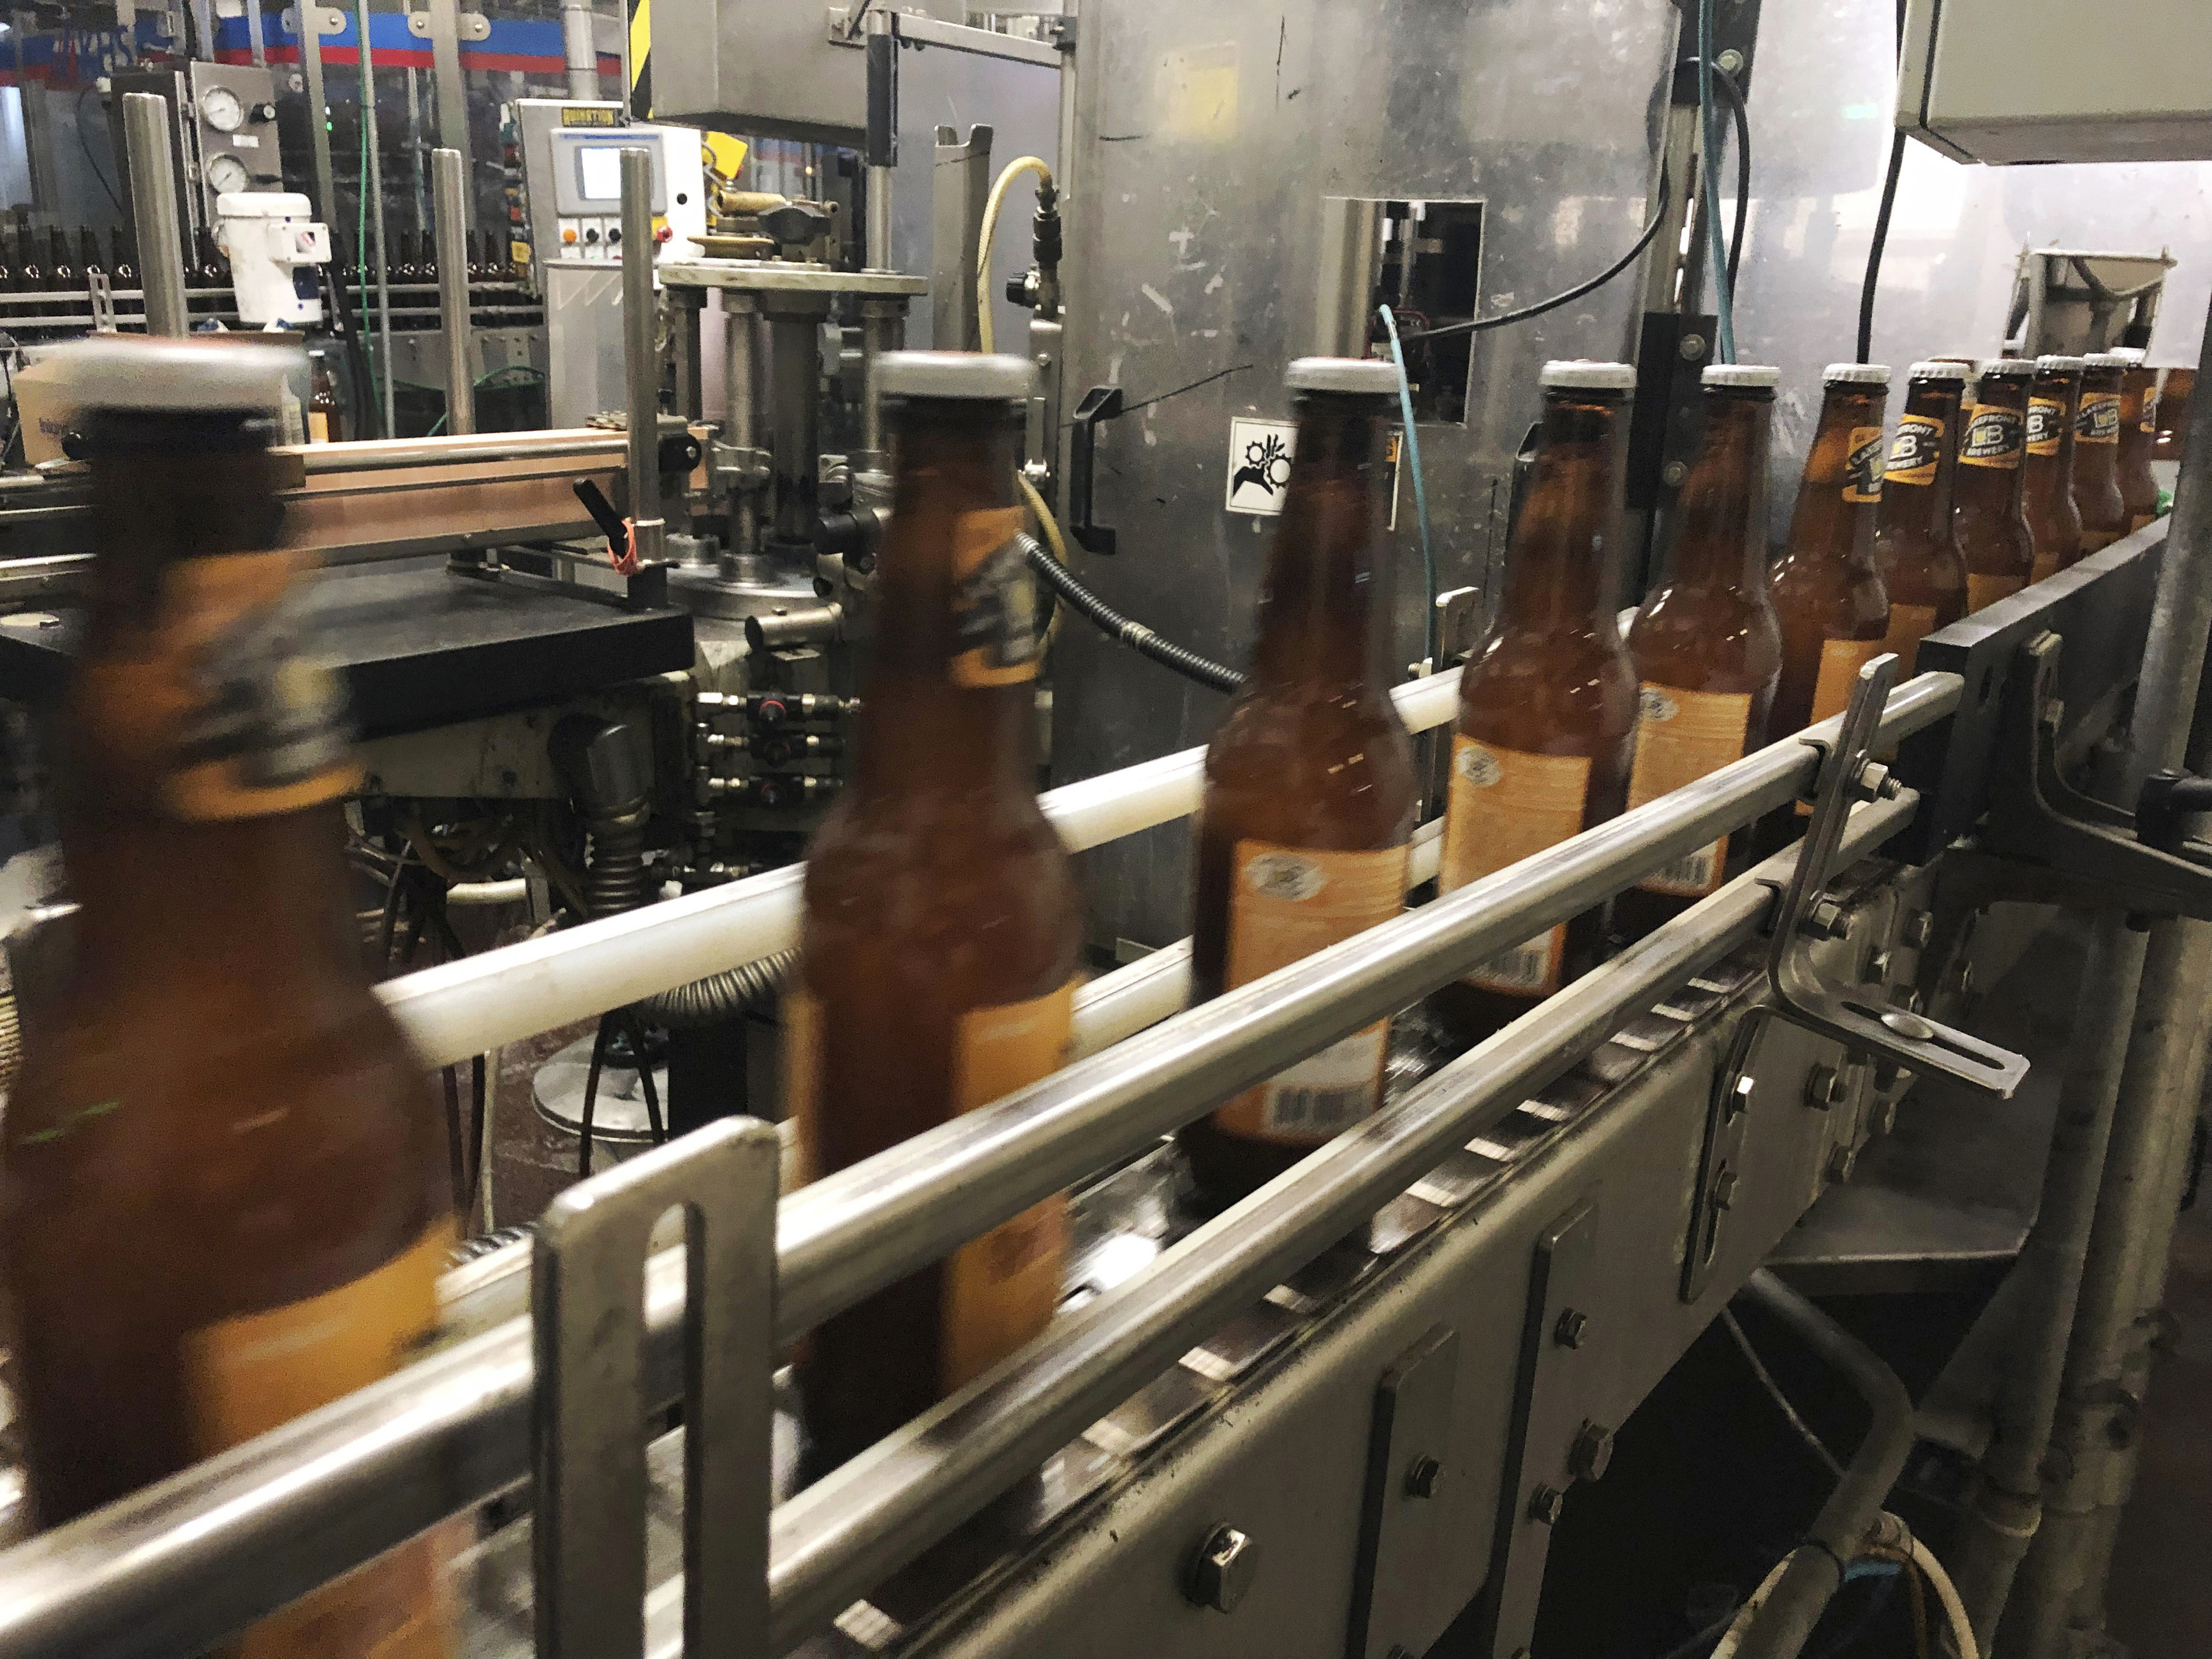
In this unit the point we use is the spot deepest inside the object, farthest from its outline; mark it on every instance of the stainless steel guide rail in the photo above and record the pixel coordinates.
(187, 1563)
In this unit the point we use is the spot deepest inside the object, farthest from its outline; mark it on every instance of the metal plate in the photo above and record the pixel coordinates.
(1409, 1458)
(770, 277)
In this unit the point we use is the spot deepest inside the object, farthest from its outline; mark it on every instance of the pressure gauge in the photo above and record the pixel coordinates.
(222, 109)
(227, 173)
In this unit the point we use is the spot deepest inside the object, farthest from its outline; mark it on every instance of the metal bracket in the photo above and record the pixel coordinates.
(103, 301)
(1402, 1516)
(329, 20)
(1101, 403)
(1845, 1013)
(468, 25)
(1549, 1444)
(1727, 1118)
(587, 1310)
(2039, 819)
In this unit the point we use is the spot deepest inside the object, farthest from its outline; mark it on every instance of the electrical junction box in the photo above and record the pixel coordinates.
(2011, 81)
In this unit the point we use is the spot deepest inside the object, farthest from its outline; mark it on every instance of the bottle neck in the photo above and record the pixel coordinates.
(1721, 541)
(1317, 601)
(1923, 462)
(1993, 445)
(2050, 405)
(1840, 490)
(1557, 571)
(950, 691)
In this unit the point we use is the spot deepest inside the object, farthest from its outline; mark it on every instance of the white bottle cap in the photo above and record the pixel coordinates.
(1756, 375)
(1855, 374)
(1588, 374)
(2054, 364)
(969, 374)
(1364, 375)
(2008, 368)
(126, 371)
(2129, 357)
(1938, 369)
(2109, 359)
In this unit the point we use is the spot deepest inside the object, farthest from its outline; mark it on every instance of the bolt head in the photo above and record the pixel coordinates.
(1826, 920)
(1425, 1479)
(1692, 347)
(1919, 930)
(1545, 1504)
(1592, 1452)
(1221, 1572)
(1825, 1086)
(1731, 61)
(1572, 1329)
(1878, 967)
(1675, 472)
(1842, 1162)
(1724, 1190)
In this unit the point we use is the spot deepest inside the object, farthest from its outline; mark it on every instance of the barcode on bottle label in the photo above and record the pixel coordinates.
(1318, 1097)
(1692, 877)
(1529, 966)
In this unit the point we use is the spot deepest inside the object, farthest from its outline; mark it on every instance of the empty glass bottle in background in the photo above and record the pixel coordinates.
(325, 409)
(2047, 474)
(227, 1199)
(2138, 436)
(1916, 546)
(1301, 839)
(2097, 493)
(1547, 702)
(937, 947)
(1828, 591)
(1988, 515)
(1706, 643)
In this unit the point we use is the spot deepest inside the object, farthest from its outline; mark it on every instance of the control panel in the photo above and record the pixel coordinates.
(564, 183)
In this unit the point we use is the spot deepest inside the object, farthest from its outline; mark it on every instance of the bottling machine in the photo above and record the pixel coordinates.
(1371, 1409)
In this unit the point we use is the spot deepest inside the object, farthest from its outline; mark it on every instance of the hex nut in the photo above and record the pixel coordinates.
(1545, 1504)
(1842, 1162)
(1723, 1190)
(1572, 1329)
(1919, 930)
(1825, 1086)
(1826, 920)
(1673, 473)
(1424, 1478)
(1221, 1572)
(1592, 1452)
(1693, 347)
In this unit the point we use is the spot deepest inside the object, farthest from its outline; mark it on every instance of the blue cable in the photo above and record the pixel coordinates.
(1420, 490)
(1709, 171)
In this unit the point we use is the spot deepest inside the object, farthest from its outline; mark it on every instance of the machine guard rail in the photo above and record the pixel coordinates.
(185, 1563)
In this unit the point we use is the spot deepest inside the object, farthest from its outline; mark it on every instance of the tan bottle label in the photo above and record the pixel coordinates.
(1285, 903)
(1909, 624)
(223, 683)
(245, 1376)
(1993, 438)
(1985, 591)
(2137, 521)
(1000, 1290)
(1919, 446)
(318, 427)
(1840, 662)
(994, 601)
(2047, 425)
(1863, 468)
(1680, 737)
(1503, 805)
(2094, 539)
(2099, 420)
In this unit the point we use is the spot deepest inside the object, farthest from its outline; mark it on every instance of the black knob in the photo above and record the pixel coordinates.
(591, 234)
(613, 236)
(772, 713)
(1017, 290)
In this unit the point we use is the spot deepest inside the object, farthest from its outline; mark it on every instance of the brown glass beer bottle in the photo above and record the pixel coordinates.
(1705, 641)
(2138, 436)
(1828, 595)
(2097, 495)
(1988, 516)
(1916, 546)
(1301, 839)
(2047, 474)
(937, 947)
(227, 1188)
(1548, 703)
(2177, 390)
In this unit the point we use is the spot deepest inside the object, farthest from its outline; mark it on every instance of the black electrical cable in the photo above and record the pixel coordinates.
(1479, 324)
(1134, 635)
(85, 144)
(1874, 251)
(1727, 83)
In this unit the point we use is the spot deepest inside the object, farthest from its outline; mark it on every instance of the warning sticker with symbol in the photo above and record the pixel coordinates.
(1260, 464)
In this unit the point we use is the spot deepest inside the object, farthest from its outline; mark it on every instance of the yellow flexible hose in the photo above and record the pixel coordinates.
(1053, 540)
(1014, 169)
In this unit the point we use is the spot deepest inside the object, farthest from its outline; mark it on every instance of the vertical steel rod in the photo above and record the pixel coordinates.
(449, 185)
(2123, 1275)
(642, 360)
(310, 13)
(153, 206)
(580, 50)
(740, 348)
(256, 48)
(370, 138)
(881, 134)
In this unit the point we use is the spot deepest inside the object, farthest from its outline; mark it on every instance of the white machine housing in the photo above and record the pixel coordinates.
(273, 244)
(2022, 81)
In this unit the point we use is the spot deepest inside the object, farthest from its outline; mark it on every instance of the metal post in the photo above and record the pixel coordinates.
(580, 49)
(376, 216)
(795, 416)
(883, 328)
(961, 183)
(1351, 255)
(882, 152)
(310, 13)
(154, 207)
(740, 322)
(639, 356)
(452, 91)
(2124, 1275)
(685, 306)
(450, 183)
(255, 45)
